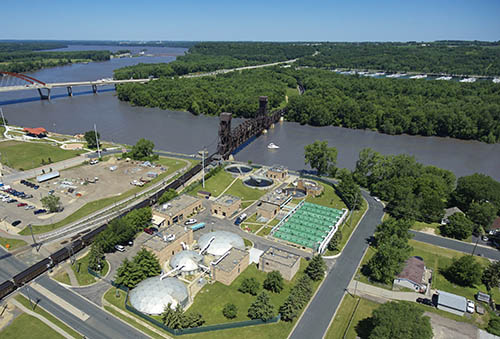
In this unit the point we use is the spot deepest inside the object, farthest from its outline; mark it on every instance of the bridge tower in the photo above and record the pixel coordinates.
(224, 146)
(262, 105)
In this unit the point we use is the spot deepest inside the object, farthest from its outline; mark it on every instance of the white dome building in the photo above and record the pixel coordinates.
(152, 295)
(222, 242)
(188, 260)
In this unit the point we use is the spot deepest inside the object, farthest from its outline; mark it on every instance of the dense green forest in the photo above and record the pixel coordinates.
(452, 58)
(17, 46)
(392, 106)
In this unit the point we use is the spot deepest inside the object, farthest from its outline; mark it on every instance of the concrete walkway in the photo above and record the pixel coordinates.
(71, 274)
(38, 316)
(362, 289)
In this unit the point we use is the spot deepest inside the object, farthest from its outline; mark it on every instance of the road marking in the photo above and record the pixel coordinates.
(61, 302)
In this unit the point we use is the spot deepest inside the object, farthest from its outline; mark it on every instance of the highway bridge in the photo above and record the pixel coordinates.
(29, 83)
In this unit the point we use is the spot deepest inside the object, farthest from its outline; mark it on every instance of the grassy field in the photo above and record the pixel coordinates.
(47, 316)
(215, 185)
(62, 277)
(93, 206)
(419, 226)
(25, 326)
(273, 222)
(253, 227)
(344, 314)
(13, 243)
(265, 231)
(25, 155)
(83, 276)
(239, 189)
(328, 198)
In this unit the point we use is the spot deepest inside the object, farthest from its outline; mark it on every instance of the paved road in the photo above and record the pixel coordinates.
(456, 245)
(317, 316)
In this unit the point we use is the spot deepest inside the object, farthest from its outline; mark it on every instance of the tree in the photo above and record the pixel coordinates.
(321, 157)
(261, 308)
(400, 320)
(52, 203)
(96, 256)
(482, 213)
(167, 196)
(476, 188)
(172, 317)
(464, 271)
(192, 319)
(138, 219)
(316, 268)
(230, 311)
(458, 227)
(348, 189)
(249, 285)
(491, 275)
(142, 150)
(388, 260)
(144, 265)
(91, 140)
(494, 326)
(273, 282)
(298, 298)
(334, 244)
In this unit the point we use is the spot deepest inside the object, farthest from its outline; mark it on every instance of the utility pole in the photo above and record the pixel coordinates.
(33, 236)
(97, 140)
(29, 297)
(3, 119)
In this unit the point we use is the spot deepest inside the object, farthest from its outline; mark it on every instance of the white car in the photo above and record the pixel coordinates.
(376, 199)
(470, 306)
(190, 222)
(120, 248)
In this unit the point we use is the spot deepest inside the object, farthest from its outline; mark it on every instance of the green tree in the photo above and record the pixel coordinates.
(300, 294)
(458, 227)
(230, 311)
(138, 219)
(144, 265)
(334, 244)
(388, 260)
(392, 227)
(91, 140)
(400, 320)
(478, 188)
(491, 275)
(167, 196)
(142, 150)
(249, 285)
(52, 203)
(464, 271)
(172, 317)
(321, 157)
(192, 319)
(273, 282)
(348, 189)
(482, 213)
(316, 268)
(494, 326)
(261, 308)
(96, 256)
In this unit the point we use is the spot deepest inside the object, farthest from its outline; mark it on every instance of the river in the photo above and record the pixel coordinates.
(185, 133)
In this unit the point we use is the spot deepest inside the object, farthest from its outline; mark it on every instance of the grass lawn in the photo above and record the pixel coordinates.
(47, 316)
(215, 184)
(25, 155)
(265, 231)
(13, 243)
(93, 206)
(83, 276)
(247, 242)
(62, 277)
(273, 222)
(239, 189)
(328, 198)
(2, 131)
(344, 315)
(253, 219)
(253, 227)
(25, 326)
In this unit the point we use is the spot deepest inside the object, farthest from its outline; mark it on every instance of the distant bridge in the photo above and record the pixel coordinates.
(41, 87)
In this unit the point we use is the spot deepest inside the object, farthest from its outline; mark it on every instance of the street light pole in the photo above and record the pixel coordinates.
(97, 140)
(32, 235)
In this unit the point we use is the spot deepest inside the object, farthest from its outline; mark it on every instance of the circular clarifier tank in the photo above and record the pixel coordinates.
(258, 182)
(238, 169)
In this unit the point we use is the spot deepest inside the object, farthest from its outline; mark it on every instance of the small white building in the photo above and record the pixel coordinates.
(452, 303)
(413, 275)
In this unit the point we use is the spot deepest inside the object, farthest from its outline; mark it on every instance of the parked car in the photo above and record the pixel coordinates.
(39, 211)
(470, 306)
(22, 204)
(240, 219)
(149, 231)
(120, 248)
(425, 301)
(190, 222)
(11, 201)
(15, 223)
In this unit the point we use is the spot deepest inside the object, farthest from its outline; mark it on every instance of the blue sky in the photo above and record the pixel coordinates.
(291, 20)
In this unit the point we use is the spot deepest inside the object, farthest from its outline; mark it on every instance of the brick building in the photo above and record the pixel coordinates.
(229, 266)
(226, 206)
(173, 239)
(277, 173)
(274, 259)
(178, 209)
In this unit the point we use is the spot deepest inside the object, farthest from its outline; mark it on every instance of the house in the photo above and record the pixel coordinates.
(448, 213)
(38, 132)
(495, 226)
(413, 275)
(452, 303)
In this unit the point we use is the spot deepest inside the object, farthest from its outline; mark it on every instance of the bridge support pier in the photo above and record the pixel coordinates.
(70, 91)
(44, 96)
(94, 89)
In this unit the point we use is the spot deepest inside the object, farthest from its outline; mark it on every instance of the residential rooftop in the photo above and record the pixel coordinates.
(413, 270)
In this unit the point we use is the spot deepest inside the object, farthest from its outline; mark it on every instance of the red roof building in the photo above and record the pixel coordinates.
(37, 132)
(495, 226)
(413, 275)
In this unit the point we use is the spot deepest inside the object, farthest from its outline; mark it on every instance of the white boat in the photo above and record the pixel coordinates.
(272, 146)
(444, 78)
(496, 80)
(379, 74)
(419, 76)
(468, 80)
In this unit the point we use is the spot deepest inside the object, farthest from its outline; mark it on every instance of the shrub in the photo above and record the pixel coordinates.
(230, 311)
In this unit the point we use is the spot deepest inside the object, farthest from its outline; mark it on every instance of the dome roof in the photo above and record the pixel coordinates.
(223, 242)
(152, 295)
(188, 259)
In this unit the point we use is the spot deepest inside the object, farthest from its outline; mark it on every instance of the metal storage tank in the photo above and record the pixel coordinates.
(152, 295)
(223, 241)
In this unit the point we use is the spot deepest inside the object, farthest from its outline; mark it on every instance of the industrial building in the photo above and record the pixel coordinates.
(274, 259)
(226, 206)
(47, 176)
(219, 242)
(277, 173)
(152, 295)
(229, 266)
(452, 303)
(268, 210)
(178, 209)
(186, 262)
(169, 241)
(310, 187)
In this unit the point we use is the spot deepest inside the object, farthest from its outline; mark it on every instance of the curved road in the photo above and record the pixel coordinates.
(316, 318)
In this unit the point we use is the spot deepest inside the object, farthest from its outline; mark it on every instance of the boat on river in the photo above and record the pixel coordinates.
(468, 80)
(419, 76)
(496, 80)
(444, 78)
(272, 146)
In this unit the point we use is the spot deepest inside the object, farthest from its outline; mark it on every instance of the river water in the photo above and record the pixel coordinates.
(185, 133)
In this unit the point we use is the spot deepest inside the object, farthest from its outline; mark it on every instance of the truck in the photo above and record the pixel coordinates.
(198, 226)
(240, 219)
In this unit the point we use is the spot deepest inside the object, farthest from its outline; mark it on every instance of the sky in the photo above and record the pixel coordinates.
(251, 20)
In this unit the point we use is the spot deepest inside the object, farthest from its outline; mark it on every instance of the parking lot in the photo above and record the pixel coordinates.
(75, 187)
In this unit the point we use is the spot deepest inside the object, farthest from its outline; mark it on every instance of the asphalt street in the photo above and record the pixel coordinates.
(317, 316)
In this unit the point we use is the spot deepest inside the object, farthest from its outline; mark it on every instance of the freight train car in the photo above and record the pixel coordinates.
(6, 287)
(32, 272)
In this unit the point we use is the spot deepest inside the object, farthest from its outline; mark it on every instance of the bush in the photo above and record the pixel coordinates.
(230, 311)
(273, 282)
(458, 227)
(249, 285)
(464, 271)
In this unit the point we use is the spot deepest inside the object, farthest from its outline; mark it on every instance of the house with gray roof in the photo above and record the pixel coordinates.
(448, 213)
(452, 303)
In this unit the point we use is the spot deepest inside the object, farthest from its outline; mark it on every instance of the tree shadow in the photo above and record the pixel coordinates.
(364, 328)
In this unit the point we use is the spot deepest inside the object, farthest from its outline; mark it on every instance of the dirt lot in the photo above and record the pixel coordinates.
(445, 328)
(79, 179)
